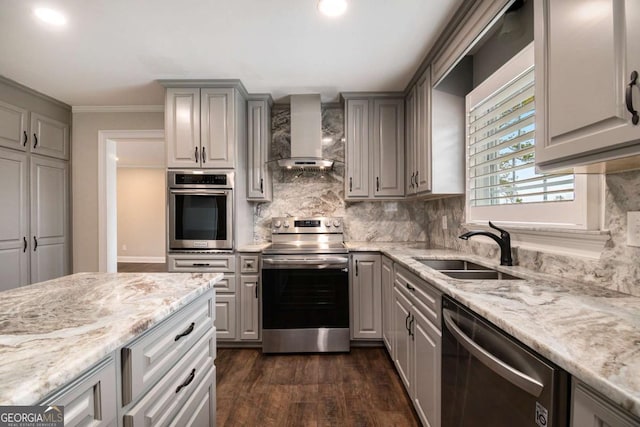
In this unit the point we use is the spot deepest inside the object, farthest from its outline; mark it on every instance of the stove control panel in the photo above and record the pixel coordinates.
(314, 225)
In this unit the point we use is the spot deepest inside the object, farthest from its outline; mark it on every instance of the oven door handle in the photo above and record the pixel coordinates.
(199, 192)
(509, 373)
(336, 262)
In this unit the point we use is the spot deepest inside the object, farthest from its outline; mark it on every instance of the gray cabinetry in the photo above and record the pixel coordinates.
(366, 296)
(418, 121)
(589, 409)
(259, 181)
(49, 218)
(13, 126)
(200, 126)
(249, 297)
(49, 137)
(14, 219)
(387, 305)
(375, 146)
(418, 341)
(89, 400)
(583, 72)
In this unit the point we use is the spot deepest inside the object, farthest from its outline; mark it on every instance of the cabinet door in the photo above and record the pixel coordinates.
(357, 149)
(411, 113)
(49, 218)
(259, 139)
(218, 136)
(249, 308)
(182, 126)
(225, 322)
(13, 130)
(49, 137)
(388, 147)
(366, 297)
(423, 140)
(387, 305)
(590, 410)
(585, 55)
(403, 342)
(426, 367)
(14, 219)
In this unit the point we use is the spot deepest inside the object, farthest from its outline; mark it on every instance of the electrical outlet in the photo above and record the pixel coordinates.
(633, 228)
(444, 222)
(124, 247)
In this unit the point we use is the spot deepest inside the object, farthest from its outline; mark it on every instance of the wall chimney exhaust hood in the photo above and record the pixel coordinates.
(306, 135)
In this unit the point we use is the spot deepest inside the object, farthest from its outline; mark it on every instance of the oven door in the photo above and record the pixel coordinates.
(200, 219)
(305, 304)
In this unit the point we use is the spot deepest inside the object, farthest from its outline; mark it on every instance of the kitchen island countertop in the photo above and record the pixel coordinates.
(591, 332)
(50, 332)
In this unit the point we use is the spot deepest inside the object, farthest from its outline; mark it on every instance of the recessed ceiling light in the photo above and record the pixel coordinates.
(50, 16)
(332, 7)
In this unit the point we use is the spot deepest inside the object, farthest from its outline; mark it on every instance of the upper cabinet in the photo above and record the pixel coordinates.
(418, 123)
(374, 128)
(200, 125)
(259, 181)
(587, 62)
(45, 136)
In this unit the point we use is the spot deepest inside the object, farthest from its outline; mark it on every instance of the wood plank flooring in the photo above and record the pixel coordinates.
(360, 388)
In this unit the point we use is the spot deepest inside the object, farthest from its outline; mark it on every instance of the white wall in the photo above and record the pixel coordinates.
(141, 214)
(84, 176)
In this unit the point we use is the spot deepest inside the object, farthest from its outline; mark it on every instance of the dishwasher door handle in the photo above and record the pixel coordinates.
(509, 373)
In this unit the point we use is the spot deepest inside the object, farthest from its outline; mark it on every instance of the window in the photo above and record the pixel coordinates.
(502, 182)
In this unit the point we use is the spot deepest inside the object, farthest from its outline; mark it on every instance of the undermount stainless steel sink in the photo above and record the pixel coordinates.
(461, 269)
(451, 264)
(479, 275)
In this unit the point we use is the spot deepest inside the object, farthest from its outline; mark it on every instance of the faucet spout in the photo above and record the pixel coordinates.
(504, 241)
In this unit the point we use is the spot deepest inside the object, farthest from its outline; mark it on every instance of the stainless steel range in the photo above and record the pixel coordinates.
(305, 287)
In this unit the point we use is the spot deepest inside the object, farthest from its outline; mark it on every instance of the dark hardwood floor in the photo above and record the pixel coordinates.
(140, 267)
(360, 388)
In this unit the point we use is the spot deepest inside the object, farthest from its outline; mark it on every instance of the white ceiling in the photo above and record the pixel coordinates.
(112, 51)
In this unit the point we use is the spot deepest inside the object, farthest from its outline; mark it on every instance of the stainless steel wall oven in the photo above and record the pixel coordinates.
(200, 210)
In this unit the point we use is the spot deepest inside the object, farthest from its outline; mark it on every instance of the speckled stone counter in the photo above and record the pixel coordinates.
(591, 332)
(253, 247)
(52, 331)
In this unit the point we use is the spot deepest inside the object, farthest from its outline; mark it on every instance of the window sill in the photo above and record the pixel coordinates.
(567, 242)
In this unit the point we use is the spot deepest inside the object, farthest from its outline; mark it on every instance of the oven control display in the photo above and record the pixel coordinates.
(201, 179)
(307, 223)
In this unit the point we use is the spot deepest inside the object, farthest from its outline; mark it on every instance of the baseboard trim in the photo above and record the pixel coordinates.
(143, 259)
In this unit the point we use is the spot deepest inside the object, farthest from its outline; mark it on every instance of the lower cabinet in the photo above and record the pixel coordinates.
(366, 296)
(417, 344)
(589, 409)
(386, 280)
(249, 307)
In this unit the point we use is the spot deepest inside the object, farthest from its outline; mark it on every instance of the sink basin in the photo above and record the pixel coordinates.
(479, 275)
(451, 264)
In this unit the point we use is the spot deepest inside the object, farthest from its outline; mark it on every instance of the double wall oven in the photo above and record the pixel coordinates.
(200, 210)
(305, 287)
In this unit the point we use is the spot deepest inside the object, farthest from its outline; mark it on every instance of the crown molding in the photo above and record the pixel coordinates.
(117, 109)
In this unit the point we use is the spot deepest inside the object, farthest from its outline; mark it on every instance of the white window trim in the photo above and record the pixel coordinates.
(582, 237)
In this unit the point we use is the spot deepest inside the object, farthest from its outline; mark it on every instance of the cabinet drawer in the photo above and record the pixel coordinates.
(248, 264)
(148, 358)
(423, 295)
(222, 264)
(167, 398)
(91, 399)
(200, 409)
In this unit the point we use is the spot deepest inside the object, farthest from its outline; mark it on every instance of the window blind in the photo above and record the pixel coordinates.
(501, 131)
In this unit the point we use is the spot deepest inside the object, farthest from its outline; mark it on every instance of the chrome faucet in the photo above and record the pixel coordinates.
(504, 241)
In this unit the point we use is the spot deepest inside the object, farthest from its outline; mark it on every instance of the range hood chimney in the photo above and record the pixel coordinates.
(306, 135)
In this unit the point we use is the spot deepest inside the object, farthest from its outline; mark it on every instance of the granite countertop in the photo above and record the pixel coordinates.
(51, 332)
(591, 332)
(253, 247)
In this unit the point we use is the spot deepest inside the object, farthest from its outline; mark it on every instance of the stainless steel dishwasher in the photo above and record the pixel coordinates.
(490, 379)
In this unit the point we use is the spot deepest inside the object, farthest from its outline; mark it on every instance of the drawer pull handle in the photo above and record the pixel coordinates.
(24, 141)
(196, 156)
(200, 264)
(411, 288)
(629, 98)
(35, 140)
(192, 375)
(186, 332)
